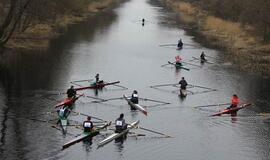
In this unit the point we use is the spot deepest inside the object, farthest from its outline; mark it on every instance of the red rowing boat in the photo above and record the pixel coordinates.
(97, 86)
(68, 101)
(232, 110)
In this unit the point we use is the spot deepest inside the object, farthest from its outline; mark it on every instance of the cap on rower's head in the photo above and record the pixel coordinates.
(183, 77)
(135, 92)
(122, 115)
(235, 95)
(88, 118)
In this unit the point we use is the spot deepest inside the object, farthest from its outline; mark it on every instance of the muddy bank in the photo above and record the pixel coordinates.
(37, 37)
(245, 47)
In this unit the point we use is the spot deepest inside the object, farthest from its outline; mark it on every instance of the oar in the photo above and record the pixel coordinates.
(192, 64)
(149, 130)
(118, 85)
(206, 61)
(190, 44)
(101, 99)
(88, 116)
(162, 45)
(163, 85)
(104, 100)
(147, 99)
(202, 87)
(81, 80)
(165, 64)
(212, 105)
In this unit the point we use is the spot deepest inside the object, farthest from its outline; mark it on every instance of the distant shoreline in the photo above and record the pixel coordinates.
(245, 48)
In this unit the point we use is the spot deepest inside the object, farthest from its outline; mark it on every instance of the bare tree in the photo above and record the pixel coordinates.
(16, 10)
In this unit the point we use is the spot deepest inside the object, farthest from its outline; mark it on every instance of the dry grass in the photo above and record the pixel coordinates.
(186, 8)
(230, 33)
(245, 48)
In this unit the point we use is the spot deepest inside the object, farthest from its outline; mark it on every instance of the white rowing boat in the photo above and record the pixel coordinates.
(85, 135)
(137, 106)
(117, 135)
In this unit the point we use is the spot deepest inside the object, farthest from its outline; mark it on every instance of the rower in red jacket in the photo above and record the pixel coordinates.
(234, 102)
(178, 60)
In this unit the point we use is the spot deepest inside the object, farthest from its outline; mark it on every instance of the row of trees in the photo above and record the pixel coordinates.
(252, 12)
(18, 15)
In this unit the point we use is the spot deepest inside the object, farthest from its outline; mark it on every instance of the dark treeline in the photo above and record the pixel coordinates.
(18, 15)
(252, 12)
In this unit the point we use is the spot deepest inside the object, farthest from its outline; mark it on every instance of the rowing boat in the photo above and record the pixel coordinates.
(117, 135)
(202, 60)
(85, 135)
(68, 101)
(231, 110)
(177, 66)
(183, 93)
(97, 86)
(137, 106)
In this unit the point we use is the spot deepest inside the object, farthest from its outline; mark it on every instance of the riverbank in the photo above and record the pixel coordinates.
(245, 47)
(37, 37)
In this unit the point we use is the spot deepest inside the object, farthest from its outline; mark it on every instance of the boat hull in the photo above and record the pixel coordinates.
(137, 106)
(97, 86)
(177, 66)
(117, 135)
(232, 110)
(84, 136)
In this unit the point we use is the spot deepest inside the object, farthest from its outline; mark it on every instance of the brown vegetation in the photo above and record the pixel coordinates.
(29, 24)
(248, 47)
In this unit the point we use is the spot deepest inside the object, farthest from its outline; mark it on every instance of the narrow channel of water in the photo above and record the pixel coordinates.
(117, 45)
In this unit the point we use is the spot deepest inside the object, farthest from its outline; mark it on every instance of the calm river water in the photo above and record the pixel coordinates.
(116, 45)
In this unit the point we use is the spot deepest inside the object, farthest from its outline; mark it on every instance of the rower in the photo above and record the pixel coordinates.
(134, 99)
(88, 125)
(234, 102)
(180, 43)
(120, 124)
(178, 60)
(97, 78)
(71, 92)
(63, 113)
(183, 85)
(203, 57)
(143, 20)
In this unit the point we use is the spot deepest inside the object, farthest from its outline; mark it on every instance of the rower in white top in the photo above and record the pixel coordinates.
(120, 124)
(88, 125)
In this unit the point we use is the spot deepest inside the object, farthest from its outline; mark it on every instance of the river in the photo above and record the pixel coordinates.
(116, 45)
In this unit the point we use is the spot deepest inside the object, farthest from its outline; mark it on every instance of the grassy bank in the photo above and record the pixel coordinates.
(243, 45)
(37, 36)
